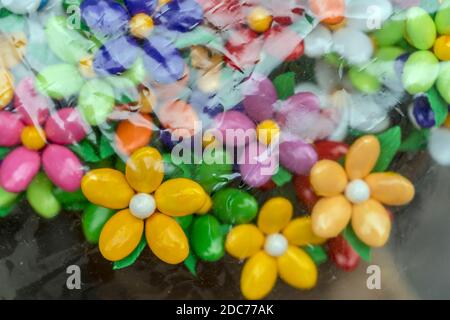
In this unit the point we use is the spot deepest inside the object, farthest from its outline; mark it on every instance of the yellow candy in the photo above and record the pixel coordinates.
(180, 197)
(299, 232)
(390, 188)
(267, 131)
(328, 178)
(206, 206)
(120, 235)
(12, 49)
(145, 170)
(259, 20)
(330, 216)
(166, 239)
(141, 25)
(107, 188)
(146, 100)
(297, 269)
(371, 223)
(6, 88)
(163, 2)
(274, 215)
(258, 276)
(362, 157)
(33, 138)
(244, 241)
(442, 48)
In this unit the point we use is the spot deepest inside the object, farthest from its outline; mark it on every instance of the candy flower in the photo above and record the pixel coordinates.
(111, 20)
(271, 249)
(357, 195)
(144, 199)
(43, 137)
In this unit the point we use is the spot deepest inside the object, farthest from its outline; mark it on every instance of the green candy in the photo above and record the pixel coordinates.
(40, 197)
(93, 220)
(420, 28)
(137, 73)
(216, 172)
(391, 32)
(234, 206)
(69, 45)
(185, 222)
(207, 238)
(363, 80)
(442, 18)
(443, 82)
(96, 101)
(420, 72)
(7, 198)
(389, 53)
(59, 81)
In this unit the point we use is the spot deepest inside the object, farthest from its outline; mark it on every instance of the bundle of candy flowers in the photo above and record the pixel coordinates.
(163, 123)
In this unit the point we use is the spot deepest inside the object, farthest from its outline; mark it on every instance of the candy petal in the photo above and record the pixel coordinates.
(62, 167)
(145, 170)
(120, 235)
(297, 156)
(179, 118)
(234, 128)
(353, 45)
(328, 11)
(330, 216)
(66, 127)
(297, 268)
(18, 169)
(141, 6)
(107, 188)
(260, 97)
(257, 164)
(299, 232)
(362, 157)
(180, 15)
(244, 241)
(371, 223)
(11, 128)
(258, 276)
(318, 42)
(166, 239)
(106, 17)
(7, 85)
(162, 60)
(328, 178)
(133, 133)
(274, 215)
(390, 188)
(180, 197)
(32, 106)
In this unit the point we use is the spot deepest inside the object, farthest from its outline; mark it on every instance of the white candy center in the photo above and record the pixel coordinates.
(357, 191)
(276, 245)
(142, 205)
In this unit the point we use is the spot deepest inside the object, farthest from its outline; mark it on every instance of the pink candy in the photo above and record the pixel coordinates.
(10, 129)
(65, 127)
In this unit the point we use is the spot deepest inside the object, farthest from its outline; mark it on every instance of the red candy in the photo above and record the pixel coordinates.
(330, 150)
(305, 192)
(342, 254)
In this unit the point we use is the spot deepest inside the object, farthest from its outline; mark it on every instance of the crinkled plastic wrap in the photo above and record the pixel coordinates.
(223, 149)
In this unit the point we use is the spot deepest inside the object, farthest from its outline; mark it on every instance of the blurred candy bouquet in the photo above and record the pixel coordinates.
(164, 123)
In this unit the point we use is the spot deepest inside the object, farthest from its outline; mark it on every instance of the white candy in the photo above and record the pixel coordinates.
(21, 6)
(439, 146)
(368, 15)
(318, 42)
(353, 45)
(142, 205)
(276, 245)
(357, 191)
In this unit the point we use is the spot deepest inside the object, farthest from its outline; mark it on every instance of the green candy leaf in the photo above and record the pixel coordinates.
(356, 133)
(5, 211)
(364, 251)
(416, 141)
(86, 151)
(282, 177)
(105, 148)
(438, 105)
(317, 253)
(390, 142)
(191, 263)
(132, 257)
(285, 85)
(4, 152)
(185, 222)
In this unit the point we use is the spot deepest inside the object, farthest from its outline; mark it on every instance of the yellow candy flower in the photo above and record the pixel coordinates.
(356, 194)
(272, 248)
(141, 196)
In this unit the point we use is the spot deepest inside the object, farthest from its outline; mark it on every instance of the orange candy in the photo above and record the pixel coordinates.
(134, 133)
(179, 118)
(328, 11)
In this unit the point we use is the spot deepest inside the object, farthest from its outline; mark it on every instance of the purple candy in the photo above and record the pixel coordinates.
(62, 167)
(106, 17)
(234, 128)
(257, 165)
(141, 6)
(10, 129)
(116, 56)
(18, 169)
(297, 156)
(423, 114)
(66, 126)
(260, 97)
(180, 15)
